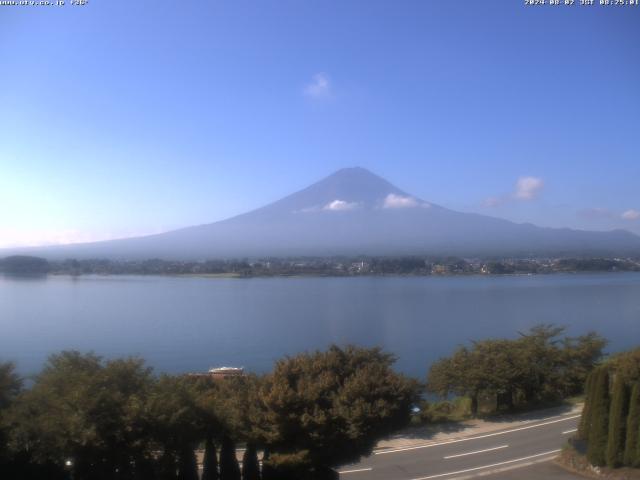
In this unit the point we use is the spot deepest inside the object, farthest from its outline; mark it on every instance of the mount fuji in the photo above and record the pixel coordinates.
(353, 212)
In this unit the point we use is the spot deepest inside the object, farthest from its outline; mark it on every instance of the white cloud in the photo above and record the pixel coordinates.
(319, 87)
(340, 205)
(398, 201)
(528, 188)
(631, 214)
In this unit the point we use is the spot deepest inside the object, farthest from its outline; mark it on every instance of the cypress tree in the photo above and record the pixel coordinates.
(250, 465)
(210, 461)
(229, 468)
(599, 415)
(631, 455)
(187, 465)
(268, 472)
(585, 420)
(617, 422)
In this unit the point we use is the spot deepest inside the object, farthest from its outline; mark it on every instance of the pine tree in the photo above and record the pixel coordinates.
(631, 456)
(617, 422)
(187, 465)
(598, 429)
(210, 461)
(229, 468)
(250, 465)
(585, 420)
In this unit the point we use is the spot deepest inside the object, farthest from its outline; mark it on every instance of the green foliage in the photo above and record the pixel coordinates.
(250, 465)
(536, 367)
(585, 418)
(333, 405)
(229, 468)
(617, 422)
(631, 456)
(598, 428)
(86, 411)
(174, 416)
(627, 365)
(10, 384)
(24, 265)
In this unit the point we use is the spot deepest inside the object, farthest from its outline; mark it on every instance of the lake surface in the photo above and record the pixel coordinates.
(189, 324)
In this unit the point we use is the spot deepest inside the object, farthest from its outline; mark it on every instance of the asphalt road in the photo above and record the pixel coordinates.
(468, 456)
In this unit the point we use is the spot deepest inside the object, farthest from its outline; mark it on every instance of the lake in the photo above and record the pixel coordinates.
(183, 324)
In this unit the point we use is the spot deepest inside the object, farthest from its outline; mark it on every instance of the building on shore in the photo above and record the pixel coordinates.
(220, 373)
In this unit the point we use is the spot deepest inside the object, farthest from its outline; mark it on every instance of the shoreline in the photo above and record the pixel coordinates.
(319, 275)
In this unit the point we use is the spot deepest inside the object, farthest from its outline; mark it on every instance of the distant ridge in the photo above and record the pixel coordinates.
(353, 212)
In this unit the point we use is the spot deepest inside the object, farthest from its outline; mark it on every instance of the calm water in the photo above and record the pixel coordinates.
(187, 324)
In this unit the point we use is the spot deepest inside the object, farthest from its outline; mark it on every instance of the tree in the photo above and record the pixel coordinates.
(627, 365)
(250, 465)
(210, 461)
(229, 468)
(579, 356)
(187, 464)
(24, 265)
(87, 412)
(457, 375)
(585, 418)
(10, 386)
(598, 430)
(327, 408)
(617, 422)
(631, 455)
(176, 422)
(268, 472)
(538, 366)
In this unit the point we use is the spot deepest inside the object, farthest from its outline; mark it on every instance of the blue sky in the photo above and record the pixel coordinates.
(121, 117)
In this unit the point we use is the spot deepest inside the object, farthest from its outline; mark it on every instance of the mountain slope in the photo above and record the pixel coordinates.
(354, 212)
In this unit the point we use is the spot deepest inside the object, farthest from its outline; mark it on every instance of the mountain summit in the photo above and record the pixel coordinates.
(352, 212)
(347, 189)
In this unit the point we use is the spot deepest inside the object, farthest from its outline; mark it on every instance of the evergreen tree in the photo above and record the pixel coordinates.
(631, 455)
(210, 462)
(250, 465)
(268, 472)
(617, 422)
(187, 465)
(229, 468)
(598, 430)
(585, 419)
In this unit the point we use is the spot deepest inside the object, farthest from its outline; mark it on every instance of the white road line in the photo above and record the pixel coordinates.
(570, 431)
(355, 471)
(487, 466)
(477, 451)
(504, 432)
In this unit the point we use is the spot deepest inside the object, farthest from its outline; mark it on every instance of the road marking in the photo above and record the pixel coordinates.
(477, 437)
(487, 466)
(477, 451)
(356, 471)
(570, 431)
